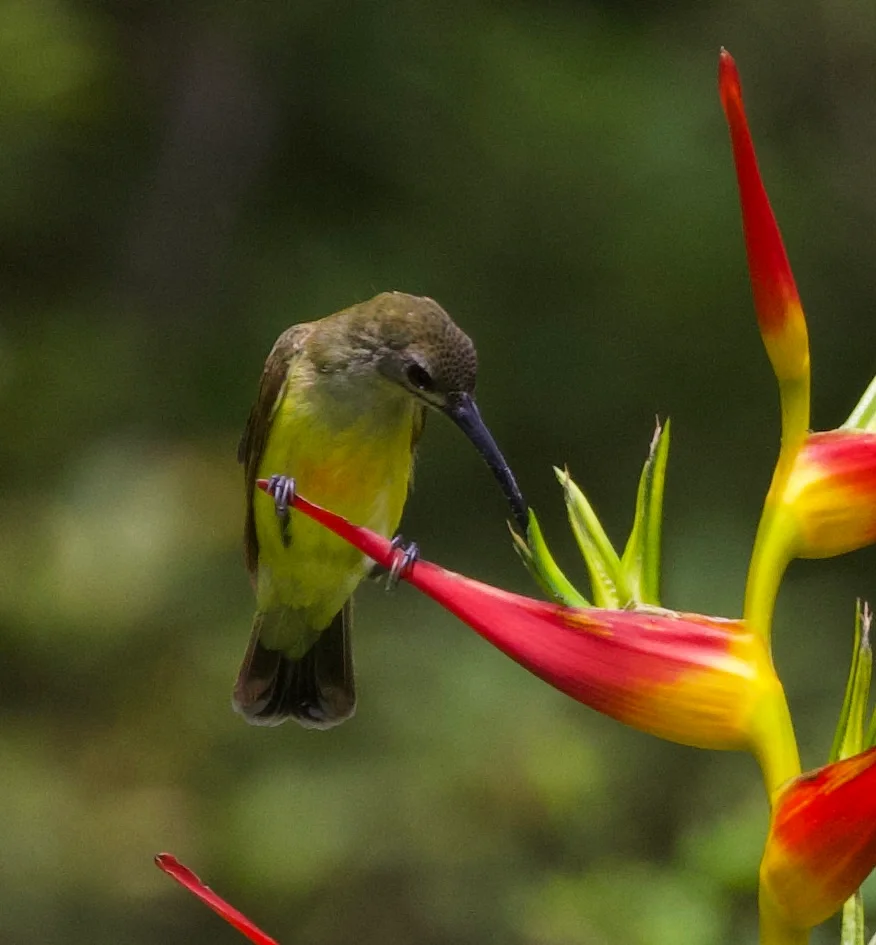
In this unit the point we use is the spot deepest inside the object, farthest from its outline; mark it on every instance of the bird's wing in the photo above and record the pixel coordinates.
(255, 434)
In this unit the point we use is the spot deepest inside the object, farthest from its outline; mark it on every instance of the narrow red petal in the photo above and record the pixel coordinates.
(185, 877)
(771, 279)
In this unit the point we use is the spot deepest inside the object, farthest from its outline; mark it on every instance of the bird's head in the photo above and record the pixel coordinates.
(416, 346)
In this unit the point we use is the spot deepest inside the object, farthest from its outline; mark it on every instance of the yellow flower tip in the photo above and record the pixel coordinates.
(822, 840)
(831, 493)
(687, 678)
(776, 300)
(715, 699)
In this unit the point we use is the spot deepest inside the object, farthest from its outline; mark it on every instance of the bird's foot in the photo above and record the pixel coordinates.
(408, 553)
(282, 491)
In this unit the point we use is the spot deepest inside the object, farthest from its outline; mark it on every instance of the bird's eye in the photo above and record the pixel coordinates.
(419, 377)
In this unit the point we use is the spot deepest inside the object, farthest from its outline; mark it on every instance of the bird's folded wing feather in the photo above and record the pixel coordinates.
(255, 434)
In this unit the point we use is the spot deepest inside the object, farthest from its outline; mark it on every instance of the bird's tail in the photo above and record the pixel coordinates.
(318, 690)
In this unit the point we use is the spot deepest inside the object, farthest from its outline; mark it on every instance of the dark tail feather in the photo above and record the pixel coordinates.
(318, 690)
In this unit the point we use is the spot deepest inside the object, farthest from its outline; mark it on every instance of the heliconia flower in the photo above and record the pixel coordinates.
(185, 877)
(831, 493)
(697, 680)
(822, 841)
(776, 301)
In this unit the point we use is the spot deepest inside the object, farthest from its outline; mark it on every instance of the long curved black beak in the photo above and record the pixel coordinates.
(463, 411)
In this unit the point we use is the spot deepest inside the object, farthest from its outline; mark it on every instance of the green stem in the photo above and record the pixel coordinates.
(773, 549)
(794, 396)
(773, 545)
(775, 742)
(776, 531)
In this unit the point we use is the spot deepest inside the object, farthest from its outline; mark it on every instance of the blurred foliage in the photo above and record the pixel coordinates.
(181, 181)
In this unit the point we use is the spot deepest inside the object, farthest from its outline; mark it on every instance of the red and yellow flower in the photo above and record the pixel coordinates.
(822, 500)
(701, 681)
(776, 301)
(831, 493)
(822, 840)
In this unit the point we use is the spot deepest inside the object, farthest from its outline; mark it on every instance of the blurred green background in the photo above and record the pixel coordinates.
(179, 181)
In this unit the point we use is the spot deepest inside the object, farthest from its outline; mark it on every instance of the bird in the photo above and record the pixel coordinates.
(341, 406)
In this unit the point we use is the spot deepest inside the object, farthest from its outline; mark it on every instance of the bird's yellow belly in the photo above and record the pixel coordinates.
(361, 472)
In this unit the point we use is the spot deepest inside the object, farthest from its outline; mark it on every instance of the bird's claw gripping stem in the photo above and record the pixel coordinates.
(282, 490)
(408, 553)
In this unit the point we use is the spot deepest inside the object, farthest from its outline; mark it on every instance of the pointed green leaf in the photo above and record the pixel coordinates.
(849, 737)
(853, 921)
(606, 578)
(863, 417)
(541, 564)
(641, 558)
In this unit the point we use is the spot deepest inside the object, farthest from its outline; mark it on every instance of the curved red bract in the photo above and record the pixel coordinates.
(685, 677)
(822, 841)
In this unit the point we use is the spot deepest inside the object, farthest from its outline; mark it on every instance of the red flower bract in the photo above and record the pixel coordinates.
(831, 491)
(684, 677)
(822, 840)
(776, 300)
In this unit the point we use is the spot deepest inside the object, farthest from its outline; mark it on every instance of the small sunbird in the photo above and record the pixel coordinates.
(340, 409)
